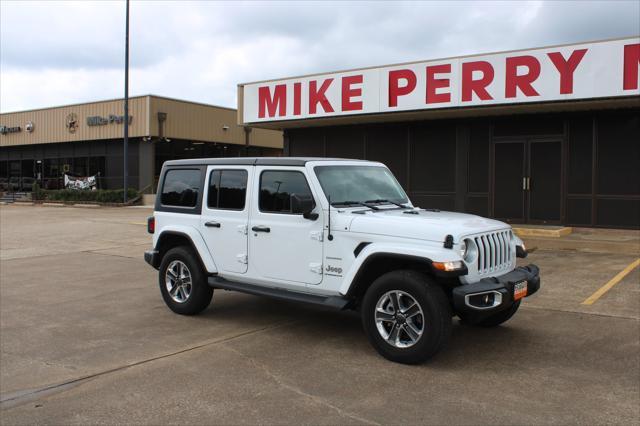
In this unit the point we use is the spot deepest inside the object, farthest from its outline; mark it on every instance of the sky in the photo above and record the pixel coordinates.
(63, 52)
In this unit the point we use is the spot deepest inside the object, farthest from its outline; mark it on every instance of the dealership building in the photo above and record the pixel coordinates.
(87, 139)
(542, 136)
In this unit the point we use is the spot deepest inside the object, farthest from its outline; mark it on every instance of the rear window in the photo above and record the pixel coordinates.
(227, 189)
(181, 188)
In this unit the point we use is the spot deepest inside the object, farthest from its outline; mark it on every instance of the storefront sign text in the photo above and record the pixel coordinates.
(582, 71)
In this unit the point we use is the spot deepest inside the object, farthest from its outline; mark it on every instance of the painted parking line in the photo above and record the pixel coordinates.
(138, 223)
(608, 286)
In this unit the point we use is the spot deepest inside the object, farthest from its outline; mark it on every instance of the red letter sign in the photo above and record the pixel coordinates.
(297, 98)
(469, 85)
(437, 83)
(566, 68)
(348, 93)
(631, 62)
(279, 100)
(394, 88)
(523, 82)
(318, 96)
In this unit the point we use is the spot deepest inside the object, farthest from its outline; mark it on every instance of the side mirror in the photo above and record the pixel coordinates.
(303, 205)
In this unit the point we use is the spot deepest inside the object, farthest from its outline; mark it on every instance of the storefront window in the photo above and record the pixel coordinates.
(96, 166)
(80, 166)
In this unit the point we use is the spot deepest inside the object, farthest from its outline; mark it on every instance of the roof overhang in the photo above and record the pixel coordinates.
(457, 113)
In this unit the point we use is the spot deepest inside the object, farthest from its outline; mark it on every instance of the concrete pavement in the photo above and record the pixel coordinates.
(85, 338)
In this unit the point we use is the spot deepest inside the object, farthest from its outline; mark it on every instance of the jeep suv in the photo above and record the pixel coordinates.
(338, 233)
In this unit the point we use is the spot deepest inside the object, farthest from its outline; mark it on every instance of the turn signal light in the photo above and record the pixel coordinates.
(447, 266)
(151, 225)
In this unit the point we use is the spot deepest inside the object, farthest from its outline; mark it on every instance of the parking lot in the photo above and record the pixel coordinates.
(86, 338)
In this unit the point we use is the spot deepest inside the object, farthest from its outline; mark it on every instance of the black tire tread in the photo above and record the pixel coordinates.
(201, 293)
(434, 302)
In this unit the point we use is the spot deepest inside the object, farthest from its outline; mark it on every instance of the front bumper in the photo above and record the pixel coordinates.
(490, 295)
(152, 257)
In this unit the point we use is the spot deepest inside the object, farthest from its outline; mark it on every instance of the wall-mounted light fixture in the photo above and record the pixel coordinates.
(225, 127)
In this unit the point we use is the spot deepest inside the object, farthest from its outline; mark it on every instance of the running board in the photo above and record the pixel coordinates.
(336, 302)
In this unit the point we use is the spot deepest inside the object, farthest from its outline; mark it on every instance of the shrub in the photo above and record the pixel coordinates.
(37, 193)
(99, 196)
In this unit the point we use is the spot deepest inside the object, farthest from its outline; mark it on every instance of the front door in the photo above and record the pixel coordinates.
(283, 245)
(527, 182)
(509, 181)
(544, 181)
(225, 216)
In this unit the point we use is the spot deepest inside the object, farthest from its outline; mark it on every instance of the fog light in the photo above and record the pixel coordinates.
(483, 300)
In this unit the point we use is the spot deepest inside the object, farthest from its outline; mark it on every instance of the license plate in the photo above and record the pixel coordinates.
(519, 290)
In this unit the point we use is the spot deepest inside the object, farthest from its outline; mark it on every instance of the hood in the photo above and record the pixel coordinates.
(425, 225)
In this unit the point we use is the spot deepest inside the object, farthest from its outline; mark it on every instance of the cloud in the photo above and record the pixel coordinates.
(55, 53)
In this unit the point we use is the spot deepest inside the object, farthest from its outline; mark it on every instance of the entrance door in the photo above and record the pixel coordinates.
(527, 180)
(544, 181)
(509, 181)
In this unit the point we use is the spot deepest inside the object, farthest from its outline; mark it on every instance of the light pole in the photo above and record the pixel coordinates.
(126, 103)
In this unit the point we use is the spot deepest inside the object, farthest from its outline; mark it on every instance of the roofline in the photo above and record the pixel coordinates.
(118, 99)
(438, 60)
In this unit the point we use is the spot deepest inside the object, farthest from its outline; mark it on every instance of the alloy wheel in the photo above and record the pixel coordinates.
(399, 319)
(178, 281)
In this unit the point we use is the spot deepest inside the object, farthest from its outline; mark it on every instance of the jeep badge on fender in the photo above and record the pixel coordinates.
(338, 233)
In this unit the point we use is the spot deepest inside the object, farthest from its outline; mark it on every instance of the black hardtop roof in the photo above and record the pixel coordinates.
(252, 161)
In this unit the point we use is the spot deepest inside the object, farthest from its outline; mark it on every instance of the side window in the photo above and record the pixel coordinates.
(278, 188)
(181, 188)
(227, 189)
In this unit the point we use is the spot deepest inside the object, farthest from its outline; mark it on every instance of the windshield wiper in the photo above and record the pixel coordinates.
(388, 201)
(355, 203)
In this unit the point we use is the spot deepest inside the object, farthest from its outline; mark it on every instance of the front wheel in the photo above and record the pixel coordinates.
(406, 316)
(183, 283)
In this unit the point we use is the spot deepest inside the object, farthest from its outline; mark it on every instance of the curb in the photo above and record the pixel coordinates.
(542, 232)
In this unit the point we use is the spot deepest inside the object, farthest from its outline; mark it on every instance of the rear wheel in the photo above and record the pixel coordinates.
(406, 316)
(183, 283)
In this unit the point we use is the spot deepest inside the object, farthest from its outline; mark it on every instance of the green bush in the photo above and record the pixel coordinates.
(99, 196)
(37, 193)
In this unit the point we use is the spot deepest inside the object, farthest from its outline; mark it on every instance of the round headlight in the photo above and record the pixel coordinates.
(468, 250)
(463, 249)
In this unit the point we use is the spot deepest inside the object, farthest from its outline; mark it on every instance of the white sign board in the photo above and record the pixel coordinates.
(581, 71)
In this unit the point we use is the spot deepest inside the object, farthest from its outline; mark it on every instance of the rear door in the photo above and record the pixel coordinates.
(284, 246)
(225, 216)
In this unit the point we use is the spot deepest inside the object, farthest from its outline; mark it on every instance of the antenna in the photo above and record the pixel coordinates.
(329, 236)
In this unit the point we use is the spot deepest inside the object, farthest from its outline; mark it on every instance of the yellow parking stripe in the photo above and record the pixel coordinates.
(138, 223)
(615, 280)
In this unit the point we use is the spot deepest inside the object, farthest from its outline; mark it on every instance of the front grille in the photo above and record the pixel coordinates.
(494, 251)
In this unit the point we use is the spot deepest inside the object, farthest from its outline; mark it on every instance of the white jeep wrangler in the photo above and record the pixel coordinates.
(339, 233)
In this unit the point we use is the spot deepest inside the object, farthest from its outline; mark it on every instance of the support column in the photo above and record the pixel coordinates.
(147, 165)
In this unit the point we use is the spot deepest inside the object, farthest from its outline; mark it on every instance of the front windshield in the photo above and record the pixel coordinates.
(359, 184)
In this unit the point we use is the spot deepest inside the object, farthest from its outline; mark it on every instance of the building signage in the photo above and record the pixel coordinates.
(10, 129)
(71, 122)
(97, 120)
(581, 71)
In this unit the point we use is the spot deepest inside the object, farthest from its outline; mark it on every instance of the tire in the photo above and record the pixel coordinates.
(497, 319)
(186, 299)
(434, 317)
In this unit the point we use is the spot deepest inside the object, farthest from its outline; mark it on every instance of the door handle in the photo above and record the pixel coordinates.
(261, 229)
(528, 184)
(524, 183)
(212, 224)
